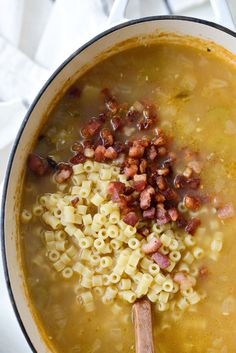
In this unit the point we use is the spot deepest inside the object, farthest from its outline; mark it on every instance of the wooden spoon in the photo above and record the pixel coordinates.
(142, 319)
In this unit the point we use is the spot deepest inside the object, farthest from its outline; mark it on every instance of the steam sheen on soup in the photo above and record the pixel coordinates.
(130, 193)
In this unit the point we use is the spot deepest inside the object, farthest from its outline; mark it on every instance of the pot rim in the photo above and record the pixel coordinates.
(27, 116)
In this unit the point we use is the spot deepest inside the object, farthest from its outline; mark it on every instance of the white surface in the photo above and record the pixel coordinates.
(11, 116)
(22, 26)
(21, 76)
(73, 30)
(11, 337)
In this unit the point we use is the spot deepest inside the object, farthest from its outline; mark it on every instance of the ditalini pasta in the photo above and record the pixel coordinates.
(105, 253)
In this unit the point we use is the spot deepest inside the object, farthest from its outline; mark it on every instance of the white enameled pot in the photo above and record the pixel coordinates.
(66, 73)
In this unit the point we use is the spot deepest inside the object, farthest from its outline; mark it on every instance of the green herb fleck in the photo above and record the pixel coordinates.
(182, 95)
(73, 114)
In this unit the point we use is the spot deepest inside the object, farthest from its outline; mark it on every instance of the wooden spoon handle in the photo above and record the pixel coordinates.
(142, 318)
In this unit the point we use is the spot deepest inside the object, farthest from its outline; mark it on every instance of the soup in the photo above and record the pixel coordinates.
(130, 192)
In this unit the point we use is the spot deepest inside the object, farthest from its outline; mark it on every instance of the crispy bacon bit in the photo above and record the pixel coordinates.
(115, 188)
(181, 222)
(160, 198)
(116, 123)
(130, 161)
(145, 123)
(162, 217)
(111, 153)
(131, 218)
(196, 166)
(143, 231)
(78, 158)
(86, 144)
(75, 201)
(152, 176)
(140, 185)
(227, 211)
(163, 171)
(173, 213)
(149, 117)
(193, 183)
(152, 246)
(161, 260)
(159, 141)
(145, 141)
(102, 117)
(37, 164)
(161, 183)
(136, 151)
(150, 111)
(180, 181)
(64, 172)
(121, 200)
(162, 151)
(140, 177)
(140, 182)
(99, 153)
(183, 280)
(110, 101)
(149, 213)
(123, 204)
(152, 153)
(170, 194)
(191, 202)
(192, 225)
(91, 128)
(107, 138)
(170, 159)
(112, 105)
(77, 147)
(131, 171)
(132, 115)
(143, 166)
(119, 147)
(158, 132)
(128, 190)
(146, 197)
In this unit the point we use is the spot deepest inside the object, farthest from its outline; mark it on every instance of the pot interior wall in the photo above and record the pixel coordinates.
(33, 121)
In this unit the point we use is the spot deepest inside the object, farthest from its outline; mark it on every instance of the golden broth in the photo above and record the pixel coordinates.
(195, 93)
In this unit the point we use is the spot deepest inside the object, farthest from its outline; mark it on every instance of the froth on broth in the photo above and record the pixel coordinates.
(189, 94)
